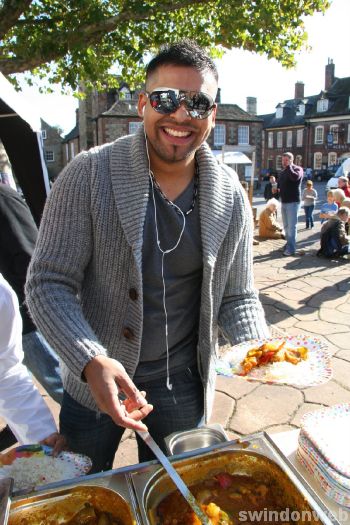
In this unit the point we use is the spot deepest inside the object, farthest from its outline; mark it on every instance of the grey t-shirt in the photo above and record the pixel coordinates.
(183, 270)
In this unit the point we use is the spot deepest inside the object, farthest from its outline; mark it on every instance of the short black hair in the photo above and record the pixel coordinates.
(186, 53)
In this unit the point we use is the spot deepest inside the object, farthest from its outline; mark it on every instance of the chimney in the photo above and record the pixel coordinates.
(218, 96)
(299, 90)
(329, 77)
(251, 105)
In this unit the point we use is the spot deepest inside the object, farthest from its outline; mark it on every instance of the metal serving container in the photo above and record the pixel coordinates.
(255, 456)
(202, 437)
(108, 491)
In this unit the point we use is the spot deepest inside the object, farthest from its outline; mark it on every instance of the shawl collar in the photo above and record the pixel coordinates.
(130, 183)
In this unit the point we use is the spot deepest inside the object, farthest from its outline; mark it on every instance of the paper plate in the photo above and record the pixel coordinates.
(315, 370)
(33, 465)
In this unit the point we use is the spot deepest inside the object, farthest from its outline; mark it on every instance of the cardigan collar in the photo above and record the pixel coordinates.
(130, 183)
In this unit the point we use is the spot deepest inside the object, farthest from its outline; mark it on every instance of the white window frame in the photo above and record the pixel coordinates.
(300, 133)
(219, 135)
(279, 112)
(279, 162)
(300, 109)
(243, 135)
(270, 139)
(43, 134)
(134, 126)
(332, 158)
(322, 105)
(72, 150)
(334, 129)
(319, 136)
(289, 141)
(49, 153)
(280, 139)
(317, 160)
(126, 94)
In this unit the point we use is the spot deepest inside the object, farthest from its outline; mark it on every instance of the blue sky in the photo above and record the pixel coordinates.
(245, 74)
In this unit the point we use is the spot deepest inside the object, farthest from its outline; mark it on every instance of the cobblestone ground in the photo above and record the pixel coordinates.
(302, 294)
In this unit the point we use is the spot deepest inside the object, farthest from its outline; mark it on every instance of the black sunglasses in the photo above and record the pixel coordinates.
(167, 100)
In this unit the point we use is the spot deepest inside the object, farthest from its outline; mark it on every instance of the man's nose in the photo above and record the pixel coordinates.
(181, 114)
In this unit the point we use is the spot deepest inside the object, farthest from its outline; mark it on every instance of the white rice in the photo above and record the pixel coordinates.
(37, 470)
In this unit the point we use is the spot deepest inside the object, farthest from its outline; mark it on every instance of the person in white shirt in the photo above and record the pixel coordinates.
(21, 404)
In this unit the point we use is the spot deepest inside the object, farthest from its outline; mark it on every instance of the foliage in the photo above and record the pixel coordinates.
(69, 41)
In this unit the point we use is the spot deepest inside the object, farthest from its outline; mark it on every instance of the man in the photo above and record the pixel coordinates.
(18, 233)
(289, 183)
(144, 253)
(334, 240)
(271, 189)
(343, 184)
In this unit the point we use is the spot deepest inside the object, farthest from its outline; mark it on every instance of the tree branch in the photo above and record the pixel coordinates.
(92, 34)
(10, 13)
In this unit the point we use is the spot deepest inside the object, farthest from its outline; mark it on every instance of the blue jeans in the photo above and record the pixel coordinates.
(290, 212)
(43, 362)
(308, 215)
(97, 436)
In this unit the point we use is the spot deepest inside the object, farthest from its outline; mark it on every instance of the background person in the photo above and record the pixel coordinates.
(289, 183)
(339, 196)
(21, 404)
(268, 225)
(271, 189)
(334, 240)
(328, 208)
(343, 184)
(149, 216)
(309, 198)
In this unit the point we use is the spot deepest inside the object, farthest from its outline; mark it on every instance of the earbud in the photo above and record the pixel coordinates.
(143, 110)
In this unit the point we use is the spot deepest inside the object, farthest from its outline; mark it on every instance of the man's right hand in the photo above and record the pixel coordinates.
(107, 378)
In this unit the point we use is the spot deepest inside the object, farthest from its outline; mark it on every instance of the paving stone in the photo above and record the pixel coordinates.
(306, 313)
(293, 294)
(318, 282)
(344, 308)
(287, 305)
(267, 405)
(341, 371)
(287, 323)
(322, 327)
(127, 454)
(340, 340)
(328, 299)
(279, 428)
(236, 387)
(329, 394)
(223, 409)
(304, 409)
(344, 354)
(332, 315)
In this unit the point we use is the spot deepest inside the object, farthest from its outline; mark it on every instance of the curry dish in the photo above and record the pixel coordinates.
(272, 353)
(226, 499)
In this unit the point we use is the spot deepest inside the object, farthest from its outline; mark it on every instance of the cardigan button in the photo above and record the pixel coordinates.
(128, 333)
(133, 294)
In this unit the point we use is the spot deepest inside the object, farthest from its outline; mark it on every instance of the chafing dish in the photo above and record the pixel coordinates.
(202, 437)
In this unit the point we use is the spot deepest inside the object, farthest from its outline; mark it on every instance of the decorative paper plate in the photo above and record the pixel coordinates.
(33, 465)
(328, 429)
(315, 370)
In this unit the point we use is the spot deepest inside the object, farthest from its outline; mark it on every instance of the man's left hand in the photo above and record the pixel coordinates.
(56, 441)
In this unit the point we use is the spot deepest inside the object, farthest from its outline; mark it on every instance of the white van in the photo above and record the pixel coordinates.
(344, 169)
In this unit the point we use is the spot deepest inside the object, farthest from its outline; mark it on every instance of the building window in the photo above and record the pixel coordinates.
(243, 135)
(332, 158)
(348, 133)
(279, 162)
(219, 135)
(289, 139)
(334, 130)
(134, 126)
(299, 137)
(279, 139)
(125, 93)
(43, 134)
(319, 132)
(317, 161)
(270, 139)
(299, 160)
(279, 112)
(72, 150)
(300, 109)
(322, 105)
(67, 151)
(49, 156)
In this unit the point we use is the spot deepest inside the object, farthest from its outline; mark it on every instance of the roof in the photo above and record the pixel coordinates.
(122, 108)
(290, 117)
(73, 134)
(234, 112)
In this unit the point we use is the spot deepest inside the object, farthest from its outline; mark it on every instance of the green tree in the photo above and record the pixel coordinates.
(69, 41)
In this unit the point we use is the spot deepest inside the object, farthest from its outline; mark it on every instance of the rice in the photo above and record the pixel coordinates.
(38, 470)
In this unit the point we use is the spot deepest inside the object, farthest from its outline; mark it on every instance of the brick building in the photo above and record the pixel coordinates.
(52, 145)
(316, 129)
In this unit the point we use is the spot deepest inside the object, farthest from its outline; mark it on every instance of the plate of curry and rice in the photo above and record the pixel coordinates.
(301, 361)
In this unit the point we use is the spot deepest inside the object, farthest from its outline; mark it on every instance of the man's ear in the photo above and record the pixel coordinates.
(141, 104)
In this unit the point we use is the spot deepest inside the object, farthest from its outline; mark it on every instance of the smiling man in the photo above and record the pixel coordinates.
(144, 253)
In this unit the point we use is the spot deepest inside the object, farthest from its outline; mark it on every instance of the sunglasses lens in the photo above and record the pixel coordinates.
(199, 105)
(162, 102)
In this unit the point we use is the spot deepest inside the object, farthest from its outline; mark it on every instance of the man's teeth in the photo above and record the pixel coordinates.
(176, 133)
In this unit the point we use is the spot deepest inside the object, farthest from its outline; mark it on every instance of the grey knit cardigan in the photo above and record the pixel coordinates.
(89, 256)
